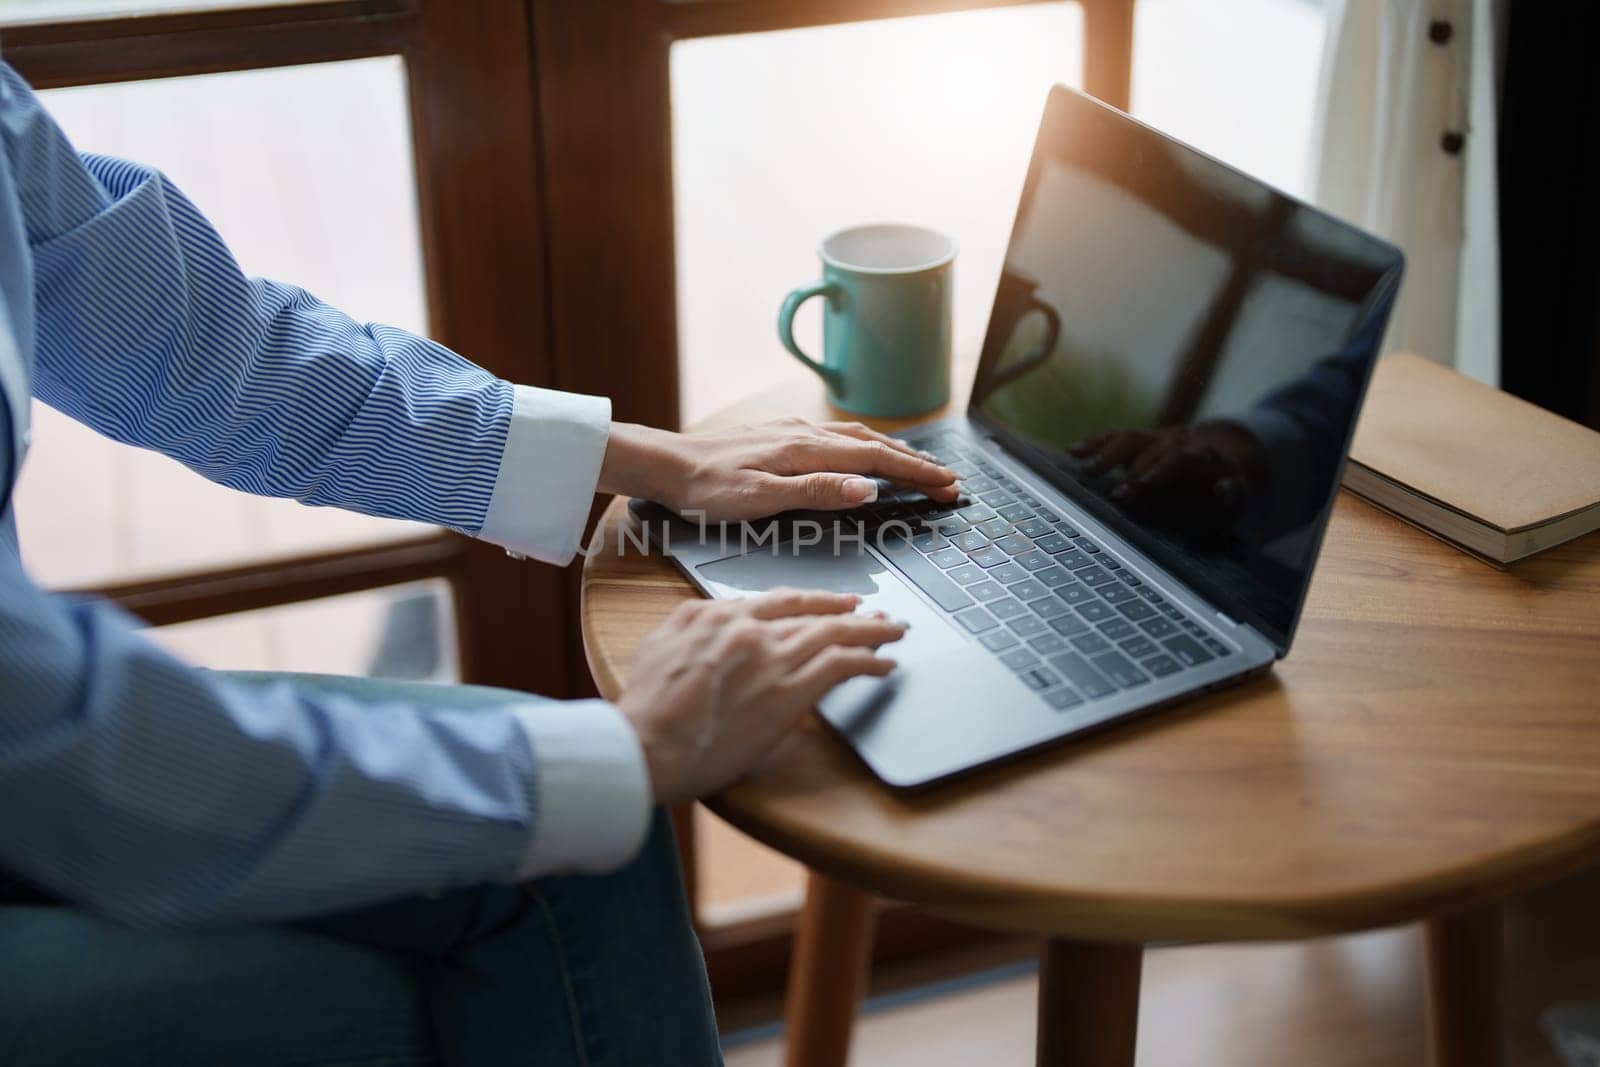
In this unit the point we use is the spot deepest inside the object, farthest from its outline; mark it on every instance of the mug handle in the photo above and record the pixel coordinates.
(791, 304)
(1039, 352)
(1052, 321)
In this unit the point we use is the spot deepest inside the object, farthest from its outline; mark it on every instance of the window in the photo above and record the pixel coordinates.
(405, 632)
(927, 120)
(307, 173)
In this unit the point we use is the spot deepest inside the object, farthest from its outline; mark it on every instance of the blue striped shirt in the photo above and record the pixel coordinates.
(137, 785)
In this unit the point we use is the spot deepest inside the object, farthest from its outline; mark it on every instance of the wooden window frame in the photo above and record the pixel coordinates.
(541, 219)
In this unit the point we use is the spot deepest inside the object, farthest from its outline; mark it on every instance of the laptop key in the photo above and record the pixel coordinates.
(998, 499)
(1014, 544)
(1028, 589)
(1169, 611)
(1072, 559)
(1117, 629)
(1035, 560)
(946, 558)
(989, 556)
(1063, 698)
(1051, 542)
(1090, 644)
(1026, 625)
(950, 527)
(1139, 647)
(976, 620)
(1095, 610)
(1019, 659)
(1110, 564)
(982, 591)
(1193, 628)
(1007, 608)
(1035, 527)
(1158, 627)
(925, 576)
(1067, 625)
(1188, 650)
(1215, 647)
(1045, 644)
(1039, 678)
(970, 540)
(1094, 576)
(1091, 548)
(1008, 573)
(1162, 665)
(1053, 576)
(1075, 593)
(966, 574)
(999, 640)
(1116, 594)
(1116, 667)
(1015, 511)
(1047, 607)
(994, 529)
(1137, 610)
(1078, 671)
(976, 513)
(1132, 579)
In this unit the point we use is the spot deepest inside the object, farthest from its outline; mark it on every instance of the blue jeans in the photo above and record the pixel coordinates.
(591, 971)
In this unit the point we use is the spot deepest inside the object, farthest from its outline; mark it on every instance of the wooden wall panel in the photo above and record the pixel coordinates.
(473, 92)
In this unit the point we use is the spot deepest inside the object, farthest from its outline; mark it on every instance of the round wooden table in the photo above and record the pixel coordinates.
(1430, 745)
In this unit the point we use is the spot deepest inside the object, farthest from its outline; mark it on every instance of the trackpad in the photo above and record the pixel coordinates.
(948, 707)
(824, 567)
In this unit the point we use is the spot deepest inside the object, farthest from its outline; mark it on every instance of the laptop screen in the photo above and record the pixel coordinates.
(1183, 350)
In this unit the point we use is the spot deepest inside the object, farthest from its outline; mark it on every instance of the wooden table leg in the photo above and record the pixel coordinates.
(827, 973)
(1088, 1004)
(1466, 1006)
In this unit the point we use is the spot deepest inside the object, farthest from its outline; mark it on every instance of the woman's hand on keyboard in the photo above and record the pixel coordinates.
(754, 471)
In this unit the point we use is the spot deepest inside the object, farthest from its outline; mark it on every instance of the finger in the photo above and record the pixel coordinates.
(785, 602)
(1157, 478)
(1119, 450)
(852, 631)
(851, 456)
(787, 627)
(833, 665)
(866, 433)
(1092, 443)
(1151, 457)
(824, 491)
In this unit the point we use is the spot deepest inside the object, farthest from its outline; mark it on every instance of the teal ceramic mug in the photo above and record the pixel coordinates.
(886, 320)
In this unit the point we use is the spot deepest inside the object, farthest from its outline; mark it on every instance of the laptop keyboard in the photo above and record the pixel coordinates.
(1052, 605)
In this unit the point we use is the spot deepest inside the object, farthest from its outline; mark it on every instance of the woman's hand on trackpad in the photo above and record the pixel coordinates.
(754, 471)
(715, 687)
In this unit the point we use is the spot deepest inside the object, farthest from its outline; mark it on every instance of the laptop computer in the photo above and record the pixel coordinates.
(1174, 363)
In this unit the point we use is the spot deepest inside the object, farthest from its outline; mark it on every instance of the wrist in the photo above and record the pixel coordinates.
(644, 462)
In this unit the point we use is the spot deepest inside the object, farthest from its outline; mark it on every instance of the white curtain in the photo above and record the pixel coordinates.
(1390, 95)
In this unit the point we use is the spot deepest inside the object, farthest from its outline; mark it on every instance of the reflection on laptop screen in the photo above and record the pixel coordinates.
(1183, 350)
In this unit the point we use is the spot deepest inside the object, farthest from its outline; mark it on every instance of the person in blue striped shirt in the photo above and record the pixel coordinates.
(205, 868)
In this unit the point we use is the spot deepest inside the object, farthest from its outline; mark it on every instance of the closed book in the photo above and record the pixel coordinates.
(1495, 475)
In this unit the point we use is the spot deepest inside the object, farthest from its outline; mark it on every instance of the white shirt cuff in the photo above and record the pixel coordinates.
(548, 473)
(591, 788)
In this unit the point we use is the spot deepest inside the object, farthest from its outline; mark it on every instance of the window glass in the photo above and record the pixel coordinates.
(405, 631)
(17, 12)
(1234, 78)
(926, 120)
(307, 172)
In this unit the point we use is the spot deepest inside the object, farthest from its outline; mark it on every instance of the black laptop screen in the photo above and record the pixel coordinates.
(1183, 350)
